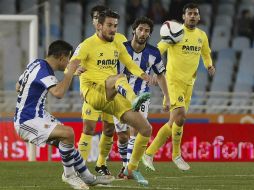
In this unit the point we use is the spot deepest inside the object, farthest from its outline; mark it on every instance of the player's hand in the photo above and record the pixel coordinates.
(146, 77)
(73, 66)
(80, 70)
(166, 105)
(153, 80)
(211, 70)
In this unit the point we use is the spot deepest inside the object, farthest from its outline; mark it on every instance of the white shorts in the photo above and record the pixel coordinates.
(37, 130)
(120, 127)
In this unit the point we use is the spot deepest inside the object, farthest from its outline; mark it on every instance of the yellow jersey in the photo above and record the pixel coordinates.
(183, 57)
(100, 59)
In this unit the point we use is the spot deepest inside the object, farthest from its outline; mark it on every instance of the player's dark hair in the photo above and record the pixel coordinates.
(98, 8)
(107, 13)
(190, 6)
(59, 48)
(143, 20)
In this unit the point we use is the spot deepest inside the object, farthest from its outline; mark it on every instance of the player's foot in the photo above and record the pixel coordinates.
(148, 162)
(74, 181)
(136, 175)
(139, 100)
(181, 164)
(121, 175)
(103, 170)
(103, 180)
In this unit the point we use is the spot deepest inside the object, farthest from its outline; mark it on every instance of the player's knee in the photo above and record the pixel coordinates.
(180, 119)
(89, 132)
(146, 130)
(89, 127)
(68, 134)
(108, 129)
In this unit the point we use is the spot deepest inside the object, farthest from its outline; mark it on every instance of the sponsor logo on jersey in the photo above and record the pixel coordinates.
(106, 63)
(191, 49)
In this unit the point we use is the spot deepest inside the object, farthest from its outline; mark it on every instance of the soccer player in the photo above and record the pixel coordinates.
(35, 125)
(183, 60)
(110, 92)
(148, 58)
(90, 117)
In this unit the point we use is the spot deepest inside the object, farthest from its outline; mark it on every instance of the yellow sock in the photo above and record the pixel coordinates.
(138, 151)
(122, 86)
(163, 134)
(177, 133)
(84, 145)
(105, 146)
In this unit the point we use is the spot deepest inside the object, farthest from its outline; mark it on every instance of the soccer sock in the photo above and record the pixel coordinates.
(122, 86)
(105, 146)
(66, 153)
(163, 134)
(84, 145)
(130, 147)
(138, 151)
(80, 165)
(177, 133)
(122, 149)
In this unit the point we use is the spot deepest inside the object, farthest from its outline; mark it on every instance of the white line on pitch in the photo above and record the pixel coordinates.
(138, 187)
(208, 176)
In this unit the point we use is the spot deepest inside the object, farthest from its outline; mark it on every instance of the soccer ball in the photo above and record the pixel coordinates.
(171, 32)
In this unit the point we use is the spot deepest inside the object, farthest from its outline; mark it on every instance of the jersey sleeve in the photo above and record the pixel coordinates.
(47, 78)
(206, 52)
(125, 59)
(21, 78)
(80, 53)
(122, 38)
(162, 46)
(158, 66)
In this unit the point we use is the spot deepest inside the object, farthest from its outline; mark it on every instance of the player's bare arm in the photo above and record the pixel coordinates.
(163, 85)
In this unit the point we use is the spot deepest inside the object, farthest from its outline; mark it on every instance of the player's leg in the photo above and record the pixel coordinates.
(119, 83)
(137, 120)
(122, 131)
(121, 109)
(163, 134)
(40, 131)
(72, 160)
(105, 144)
(90, 117)
(133, 132)
(179, 115)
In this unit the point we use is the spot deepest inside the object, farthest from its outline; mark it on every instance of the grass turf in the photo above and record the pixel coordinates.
(202, 176)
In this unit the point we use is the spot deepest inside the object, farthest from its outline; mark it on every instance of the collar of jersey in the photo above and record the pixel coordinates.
(99, 40)
(189, 30)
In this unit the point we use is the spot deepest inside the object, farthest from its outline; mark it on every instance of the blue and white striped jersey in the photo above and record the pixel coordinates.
(34, 84)
(148, 59)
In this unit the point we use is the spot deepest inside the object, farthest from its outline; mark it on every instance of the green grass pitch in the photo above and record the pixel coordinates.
(202, 176)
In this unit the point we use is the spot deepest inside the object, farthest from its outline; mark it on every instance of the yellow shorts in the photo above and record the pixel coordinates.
(89, 113)
(179, 94)
(96, 97)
